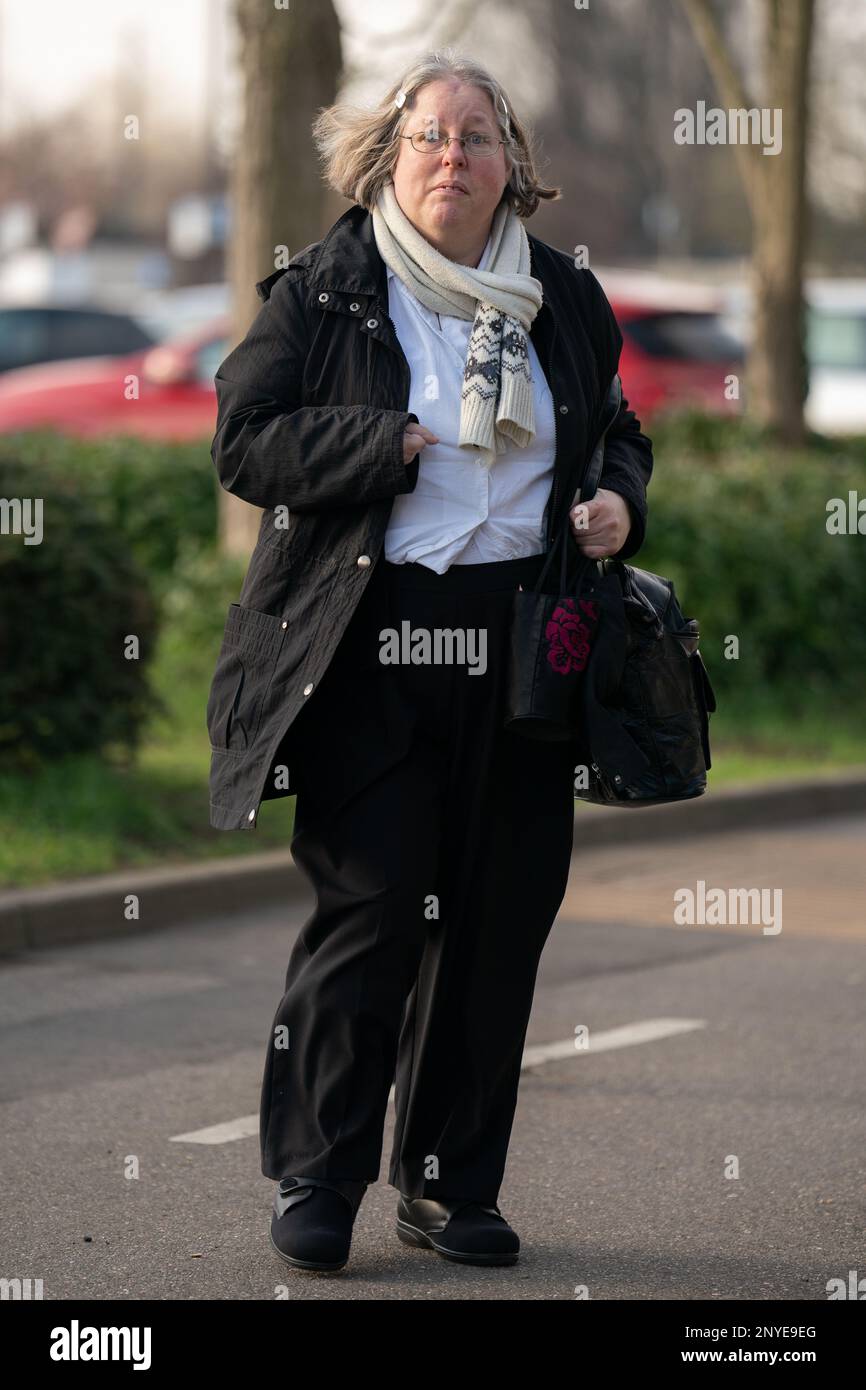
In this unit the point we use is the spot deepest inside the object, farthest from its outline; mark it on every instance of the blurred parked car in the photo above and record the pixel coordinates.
(54, 333)
(181, 312)
(676, 358)
(91, 397)
(835, 350)
(674, 354)
(679, 344)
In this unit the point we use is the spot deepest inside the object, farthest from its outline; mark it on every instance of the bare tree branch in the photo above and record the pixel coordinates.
(730, 87)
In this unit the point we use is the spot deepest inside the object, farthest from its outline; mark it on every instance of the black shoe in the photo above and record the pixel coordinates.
(311, 1225)
(461, 1230)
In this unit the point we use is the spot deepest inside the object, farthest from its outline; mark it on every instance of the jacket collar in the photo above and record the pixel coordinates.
(347, 259)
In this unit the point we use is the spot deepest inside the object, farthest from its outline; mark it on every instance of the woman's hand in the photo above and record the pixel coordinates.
(601, 525)
(414, 439)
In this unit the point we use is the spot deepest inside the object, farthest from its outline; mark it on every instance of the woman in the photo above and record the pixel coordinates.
(412, 408)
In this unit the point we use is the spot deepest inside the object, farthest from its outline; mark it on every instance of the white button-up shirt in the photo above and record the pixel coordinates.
(461, 512)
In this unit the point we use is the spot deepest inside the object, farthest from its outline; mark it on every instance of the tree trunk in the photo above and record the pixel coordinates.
(777, 377)
(777, 382)
(290, 63)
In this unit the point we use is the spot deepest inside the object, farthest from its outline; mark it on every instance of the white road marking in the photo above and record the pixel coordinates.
(629, 1035)
(220, 1134)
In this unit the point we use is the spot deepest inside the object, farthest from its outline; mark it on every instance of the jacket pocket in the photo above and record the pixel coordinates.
(244, 669)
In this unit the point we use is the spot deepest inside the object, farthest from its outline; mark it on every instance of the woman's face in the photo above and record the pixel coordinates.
(457, 222)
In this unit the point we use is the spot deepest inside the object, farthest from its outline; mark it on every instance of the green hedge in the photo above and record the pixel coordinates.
(740, 525)
(70, 602)
(122, 516)
(157, 496)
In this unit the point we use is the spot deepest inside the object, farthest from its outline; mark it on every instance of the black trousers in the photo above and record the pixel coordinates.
(438, 876)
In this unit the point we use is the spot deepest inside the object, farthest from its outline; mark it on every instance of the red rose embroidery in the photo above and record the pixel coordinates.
(569, 638)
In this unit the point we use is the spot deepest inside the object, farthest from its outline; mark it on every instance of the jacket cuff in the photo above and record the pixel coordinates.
(637, 511)
(383, 463)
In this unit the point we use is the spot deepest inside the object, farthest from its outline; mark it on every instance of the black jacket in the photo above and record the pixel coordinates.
(311, 417)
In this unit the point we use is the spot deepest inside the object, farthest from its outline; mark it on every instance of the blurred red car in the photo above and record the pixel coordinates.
(166, 392)
(671, 357)
(677, 358)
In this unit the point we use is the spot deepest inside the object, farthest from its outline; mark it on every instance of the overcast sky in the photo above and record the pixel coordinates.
(51, 51)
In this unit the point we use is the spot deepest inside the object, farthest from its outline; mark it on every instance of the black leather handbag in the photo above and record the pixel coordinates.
(639, 709)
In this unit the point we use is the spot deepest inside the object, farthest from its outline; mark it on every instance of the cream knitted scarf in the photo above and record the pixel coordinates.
(497, 397)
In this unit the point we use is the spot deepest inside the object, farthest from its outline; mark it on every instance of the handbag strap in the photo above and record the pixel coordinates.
(592, 472)
(537, 586)
(589, 482)
(562, 538)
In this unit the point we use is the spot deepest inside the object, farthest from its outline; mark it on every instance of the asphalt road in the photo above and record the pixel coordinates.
(616, 1180)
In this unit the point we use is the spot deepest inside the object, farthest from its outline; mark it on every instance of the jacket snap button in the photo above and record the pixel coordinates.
(354, 308)
(283, 624)
(363, 561)
(563, 410)
(323, 298)
(372, 323)
(252, 814)
(308, 688)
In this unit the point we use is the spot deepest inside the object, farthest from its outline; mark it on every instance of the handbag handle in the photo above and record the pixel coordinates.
(563, 567)
(589, 484)
(592, 472)
(563, 537)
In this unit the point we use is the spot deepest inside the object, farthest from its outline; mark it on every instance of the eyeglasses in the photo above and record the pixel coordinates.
(479, 145)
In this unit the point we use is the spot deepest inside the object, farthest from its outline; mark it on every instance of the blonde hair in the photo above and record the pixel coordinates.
(359, 145)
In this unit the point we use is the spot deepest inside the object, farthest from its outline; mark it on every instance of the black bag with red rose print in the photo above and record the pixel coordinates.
(552, 634)
(617, 669)
(551, 638)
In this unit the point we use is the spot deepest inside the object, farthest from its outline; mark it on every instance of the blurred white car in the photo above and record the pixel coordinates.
(835, 348)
